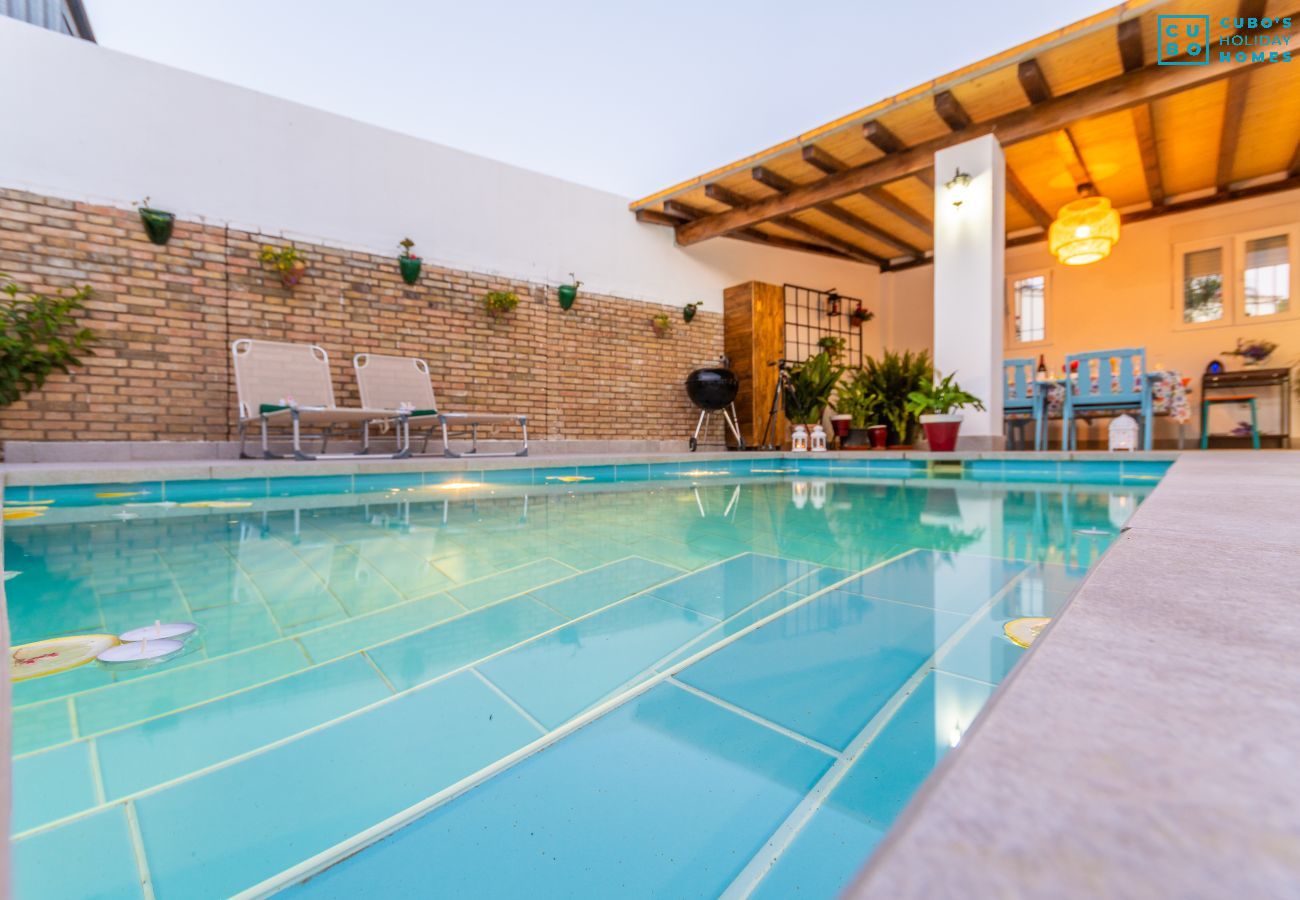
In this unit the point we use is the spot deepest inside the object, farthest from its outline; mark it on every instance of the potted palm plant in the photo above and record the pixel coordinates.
(937, 404)
(809, 387)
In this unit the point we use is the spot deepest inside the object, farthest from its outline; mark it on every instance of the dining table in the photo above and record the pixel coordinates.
(1169, 397)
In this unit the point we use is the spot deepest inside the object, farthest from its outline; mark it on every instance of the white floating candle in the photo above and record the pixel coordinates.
(158, 630)
(141, 651)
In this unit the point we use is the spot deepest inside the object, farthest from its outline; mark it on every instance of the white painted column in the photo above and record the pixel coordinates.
(969, 260)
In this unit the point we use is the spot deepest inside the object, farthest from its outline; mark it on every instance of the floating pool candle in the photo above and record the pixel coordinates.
(141, 651)
(160, 630)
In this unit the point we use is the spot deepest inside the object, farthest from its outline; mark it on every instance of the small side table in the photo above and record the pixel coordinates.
(1278, 380)
(1207, 402)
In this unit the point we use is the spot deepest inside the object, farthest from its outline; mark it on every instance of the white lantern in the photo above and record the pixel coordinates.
(799, 494)
(818, 494)
(818, 440)
(1123, 433)
(799, 439)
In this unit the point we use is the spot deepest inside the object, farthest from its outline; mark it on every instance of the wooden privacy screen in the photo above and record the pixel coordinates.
(754, 336)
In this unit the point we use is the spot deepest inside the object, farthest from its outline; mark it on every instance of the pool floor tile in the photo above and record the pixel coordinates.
(41, 725)
(351, 635)
(823, 858)
(52, 784)
(581, 594)
(507, 584)
(824, 669)
(667, 796)
(954, 582)
(166, 690)
(556, 677)
(418, 658)
(725, 589)
(238, 825)
(88, 857)
(173, 746)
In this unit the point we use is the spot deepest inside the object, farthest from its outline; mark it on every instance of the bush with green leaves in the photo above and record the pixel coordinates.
(808, 390)
(39, 336)
(940, 397)
(858, 399)
(892, 379)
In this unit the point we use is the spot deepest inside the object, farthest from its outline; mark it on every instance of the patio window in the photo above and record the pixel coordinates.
(1202, 285)
(1266, 283)
(1029, 308)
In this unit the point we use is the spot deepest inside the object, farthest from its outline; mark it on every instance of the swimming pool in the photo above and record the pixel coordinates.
(694, 679)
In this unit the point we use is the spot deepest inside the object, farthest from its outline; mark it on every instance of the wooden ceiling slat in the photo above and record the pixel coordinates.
(1131, 53)
(1230, 130)
(1133, 56)
(676, 212)
(1120, 92)
(1033, 81)
(828, 164)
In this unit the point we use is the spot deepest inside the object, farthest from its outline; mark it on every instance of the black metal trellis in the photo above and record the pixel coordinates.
(808, 319)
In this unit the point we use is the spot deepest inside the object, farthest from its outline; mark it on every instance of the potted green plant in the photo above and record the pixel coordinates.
(409, 262)
(808, 388)
(831, 345)
(662, 325)
(569, 292)
(498, 303)
(158, 223)
(937, 404)
(892, 378)
(689, 310)
(858, 399)
(38, 336)
(287, 261)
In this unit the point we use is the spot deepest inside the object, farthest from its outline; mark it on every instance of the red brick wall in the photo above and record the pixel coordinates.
(166, 317)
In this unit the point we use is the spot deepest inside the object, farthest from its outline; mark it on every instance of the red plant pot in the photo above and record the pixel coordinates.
(941, 432)
(879, 436)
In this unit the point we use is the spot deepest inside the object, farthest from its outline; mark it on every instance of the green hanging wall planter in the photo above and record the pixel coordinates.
(409, 262)
(688, 311)
(158, 224)
(569, 292)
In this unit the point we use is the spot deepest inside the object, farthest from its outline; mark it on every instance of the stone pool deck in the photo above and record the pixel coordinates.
(1147, 747)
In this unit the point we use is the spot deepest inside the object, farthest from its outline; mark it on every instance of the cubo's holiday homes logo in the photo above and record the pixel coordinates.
(1185, 40)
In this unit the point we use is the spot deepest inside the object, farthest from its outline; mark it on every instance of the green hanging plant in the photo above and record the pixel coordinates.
(409, 262)
(689, 310)
(569, 292)
(38, 336)
(158, 223)
(498, 303)
(662, 324)
(287, 261)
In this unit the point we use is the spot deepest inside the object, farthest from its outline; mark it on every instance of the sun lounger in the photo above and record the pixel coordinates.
(401, 383)
(283, 385)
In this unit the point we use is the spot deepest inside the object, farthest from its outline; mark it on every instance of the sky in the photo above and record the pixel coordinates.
(629, 97)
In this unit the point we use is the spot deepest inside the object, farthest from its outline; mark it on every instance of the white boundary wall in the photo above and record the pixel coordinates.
(85, 123)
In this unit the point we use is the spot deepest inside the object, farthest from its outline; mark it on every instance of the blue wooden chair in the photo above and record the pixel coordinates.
(1093, 392)
(1018, 398)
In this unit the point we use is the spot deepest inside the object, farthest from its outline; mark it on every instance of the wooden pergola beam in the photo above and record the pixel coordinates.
(1016, 188)
(1133, 56)
(1234, 107)
(790, 223)
(954, 115)
(1072, 158)
(1033, 82)
(887, 142)
(819, 159)
(1112, 95)
(1294, 169)
(686, 213)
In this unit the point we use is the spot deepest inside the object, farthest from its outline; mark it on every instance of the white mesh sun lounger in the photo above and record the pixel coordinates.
(283, 385)
(401, 383)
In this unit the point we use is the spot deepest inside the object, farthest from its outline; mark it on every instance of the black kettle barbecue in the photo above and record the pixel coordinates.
(714, 390)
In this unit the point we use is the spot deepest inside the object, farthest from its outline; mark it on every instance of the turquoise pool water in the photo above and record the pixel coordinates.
(711, 682)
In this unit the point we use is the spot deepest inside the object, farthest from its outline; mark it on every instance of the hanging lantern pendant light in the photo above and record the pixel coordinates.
(1085, 230)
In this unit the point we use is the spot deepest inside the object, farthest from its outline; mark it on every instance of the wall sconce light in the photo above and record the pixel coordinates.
(832, 303)
(958, 187)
